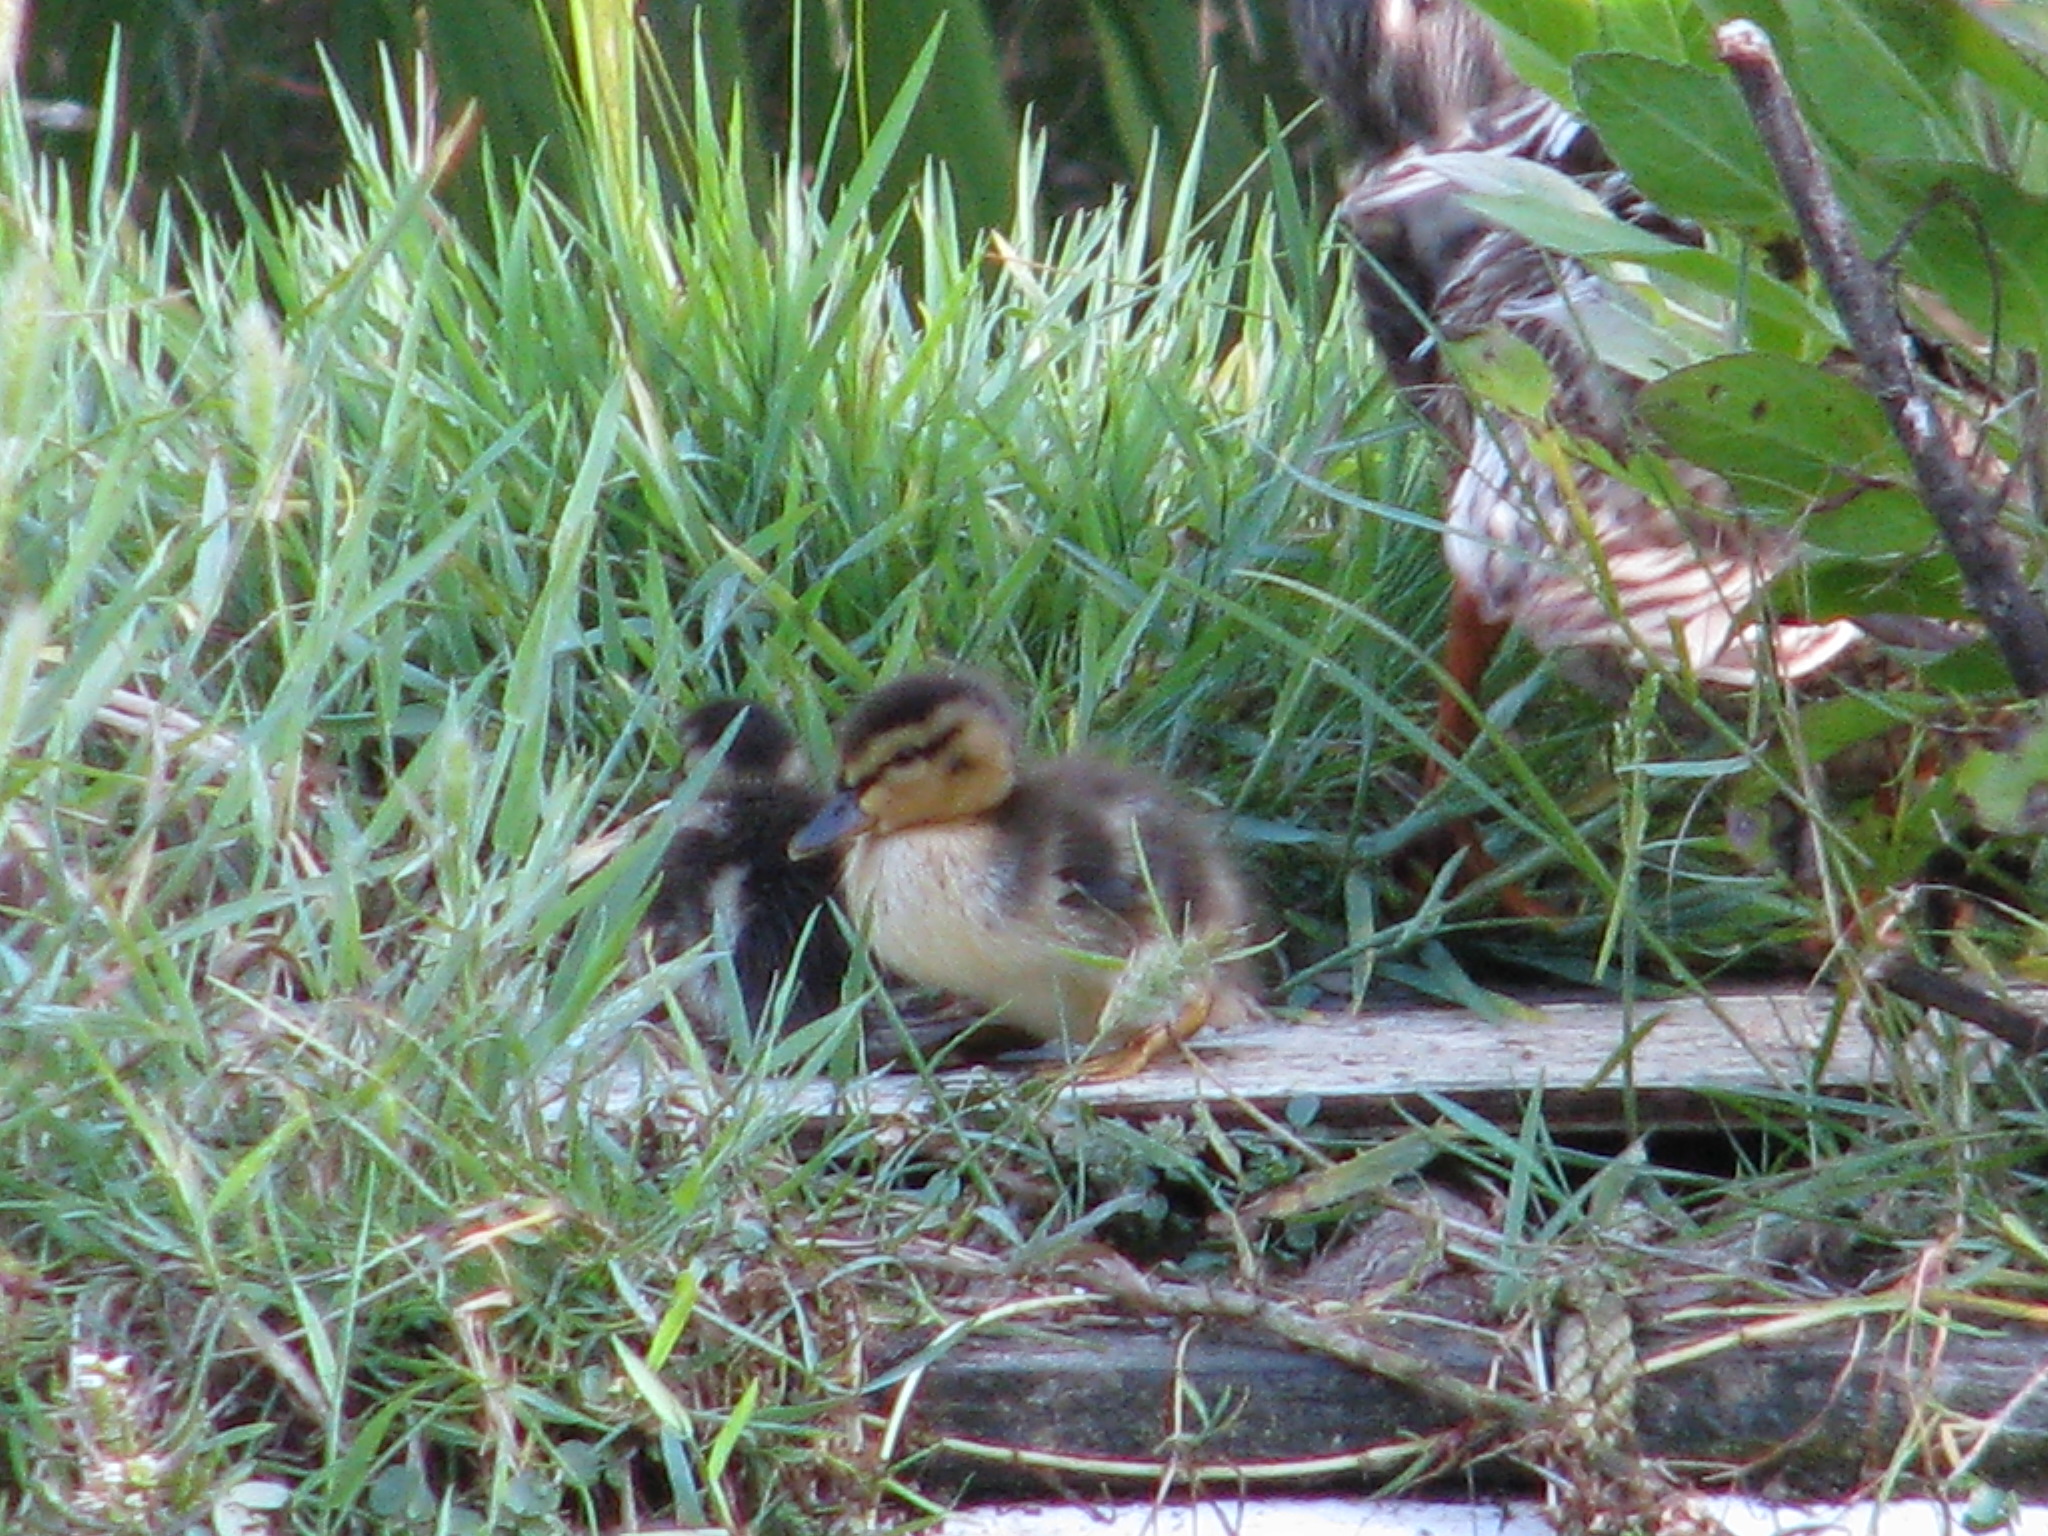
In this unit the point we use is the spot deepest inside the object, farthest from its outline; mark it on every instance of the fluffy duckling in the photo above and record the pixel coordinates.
(1076, 900)
(728, 879)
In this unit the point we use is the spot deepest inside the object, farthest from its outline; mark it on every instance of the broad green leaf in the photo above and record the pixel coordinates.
(498, 53)
(1683, 135)
(1975, 669)
(1785, 433)
(1888, 520)
(1929, 588)
(963, 119)
(871, 121)
(1631, 342)
(1156, 68)
(1876, 75)
(1768, 14)
(1662, 29)
(1504, 369)
(1992, 41)
(1978, 241)
(1542, 37)
(1544, 206)
(1801, 324)
(2009, 789)
(1832, 726)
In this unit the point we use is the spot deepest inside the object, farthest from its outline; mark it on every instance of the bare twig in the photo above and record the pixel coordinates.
(1966, 515)
(1123, 1282)
(1904, 977)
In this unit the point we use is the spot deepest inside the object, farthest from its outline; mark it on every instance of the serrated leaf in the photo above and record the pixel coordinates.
(1683, 135)
(1784, 433)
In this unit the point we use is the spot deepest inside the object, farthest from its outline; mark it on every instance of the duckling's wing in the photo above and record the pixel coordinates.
(1094, 875)
(1118, 849)
(1064, 860)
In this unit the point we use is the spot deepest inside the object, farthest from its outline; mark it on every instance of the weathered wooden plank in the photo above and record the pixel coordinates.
(1599, 1063)
(1813, 1412)
(1592, 1059)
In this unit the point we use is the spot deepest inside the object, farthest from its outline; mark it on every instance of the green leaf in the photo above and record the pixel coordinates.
(1542, 37)
(1886, 520)
(1544, 206)
(1663, 29)
(1832, 726)
(675, 1318)
(1345, 1183)
(1876, 75)
(1683, 135)
(1974, 669)
(1985, 43)
(2009, 788)
(499, 54)
(1504, 369)
(963, 119)
(659, 1398)
(1930, 588)
(1785, 433)
(21, 648)
(727, 1439)
(1977, 239)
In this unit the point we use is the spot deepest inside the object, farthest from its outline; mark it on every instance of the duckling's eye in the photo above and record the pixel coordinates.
(903, 757)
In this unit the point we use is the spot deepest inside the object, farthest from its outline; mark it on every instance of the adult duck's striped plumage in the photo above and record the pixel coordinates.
(1573, 557)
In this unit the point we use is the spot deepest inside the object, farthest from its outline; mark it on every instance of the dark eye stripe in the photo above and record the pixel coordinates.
(910, 752)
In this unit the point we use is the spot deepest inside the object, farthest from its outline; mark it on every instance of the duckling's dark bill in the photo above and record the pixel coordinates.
(841, 818)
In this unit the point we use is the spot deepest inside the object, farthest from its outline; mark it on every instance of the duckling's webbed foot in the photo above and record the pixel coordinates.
(1138, 1051)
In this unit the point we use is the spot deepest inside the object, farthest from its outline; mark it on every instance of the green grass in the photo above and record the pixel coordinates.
(355, 572)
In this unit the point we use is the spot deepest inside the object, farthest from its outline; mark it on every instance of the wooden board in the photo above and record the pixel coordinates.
(1593, 1060)
(1599, 1063)
(1814, 1412)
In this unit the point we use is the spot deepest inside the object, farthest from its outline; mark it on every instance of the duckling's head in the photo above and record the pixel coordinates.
(934, 747)
(760, 749)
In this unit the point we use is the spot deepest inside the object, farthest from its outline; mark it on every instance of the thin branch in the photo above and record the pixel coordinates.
(1905, 977)
(1966, 515)
(1121, 1281)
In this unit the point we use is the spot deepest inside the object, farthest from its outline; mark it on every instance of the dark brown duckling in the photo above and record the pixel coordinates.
(728, 880)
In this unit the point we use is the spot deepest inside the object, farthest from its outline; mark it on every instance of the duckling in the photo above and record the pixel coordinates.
(728, 879)
(1081, 902)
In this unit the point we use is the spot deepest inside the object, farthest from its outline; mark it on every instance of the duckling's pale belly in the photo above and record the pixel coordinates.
(935, 911)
